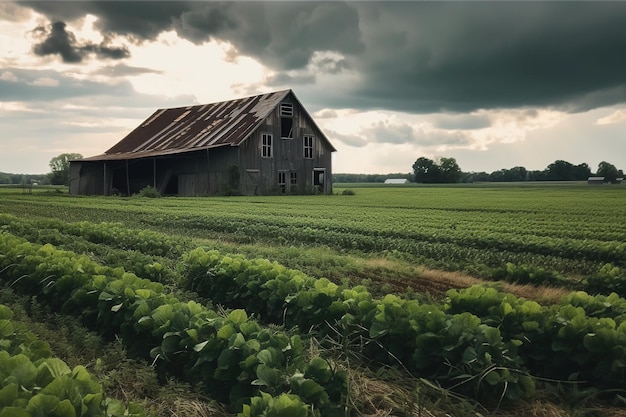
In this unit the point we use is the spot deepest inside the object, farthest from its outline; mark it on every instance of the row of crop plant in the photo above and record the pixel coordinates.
(33, 383)
(256, 369)
(484, 252)
(309, 304)
(282, 295)
(148, 254)
(447, 230)
(153, 255)
(480, 342)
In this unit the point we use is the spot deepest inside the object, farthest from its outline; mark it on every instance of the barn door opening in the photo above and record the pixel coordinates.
(319, 175)
(171, 188)
(252, 181)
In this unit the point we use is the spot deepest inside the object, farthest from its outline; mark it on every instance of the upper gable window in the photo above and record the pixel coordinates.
(286, 121)
(286, 109)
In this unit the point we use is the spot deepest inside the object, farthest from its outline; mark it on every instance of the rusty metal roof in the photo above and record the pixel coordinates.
(184, 129)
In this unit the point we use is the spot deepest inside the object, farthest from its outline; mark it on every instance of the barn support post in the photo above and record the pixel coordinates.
(239, 181)
(127, 180)
(154, 173)
(104, 179)
(208, 174)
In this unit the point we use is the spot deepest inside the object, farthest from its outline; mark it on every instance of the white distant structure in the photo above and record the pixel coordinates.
(396, 181)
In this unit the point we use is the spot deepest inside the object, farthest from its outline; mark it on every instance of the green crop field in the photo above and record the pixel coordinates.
(285, 305)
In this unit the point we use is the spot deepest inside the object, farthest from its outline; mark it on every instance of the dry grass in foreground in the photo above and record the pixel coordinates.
(437, 282)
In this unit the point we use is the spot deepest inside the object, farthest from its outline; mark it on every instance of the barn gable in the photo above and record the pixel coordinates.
(262, 144)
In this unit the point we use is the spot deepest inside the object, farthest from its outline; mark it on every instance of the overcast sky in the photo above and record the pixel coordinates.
(492, 84)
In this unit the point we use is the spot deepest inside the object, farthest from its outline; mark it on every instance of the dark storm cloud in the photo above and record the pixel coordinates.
(331, 65)
(57, 40)
(142, 20)
(282, 78)
(283, 35)
(461, 56)
(415, 57)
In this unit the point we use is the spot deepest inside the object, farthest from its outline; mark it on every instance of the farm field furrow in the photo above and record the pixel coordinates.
(572, 231)
(475, 342)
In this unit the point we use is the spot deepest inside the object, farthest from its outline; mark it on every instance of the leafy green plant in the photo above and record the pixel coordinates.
(225, 354)
(32, 383)
(149, 192)
(421, 338)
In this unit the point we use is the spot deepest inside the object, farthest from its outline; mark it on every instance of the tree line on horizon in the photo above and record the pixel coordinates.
(425, 170)
(446, 171)
(59, 173)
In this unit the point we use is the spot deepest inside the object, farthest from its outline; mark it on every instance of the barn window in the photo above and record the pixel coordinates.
(286, 128)
(282, 181)
(308, 147)
(318, 178)
(286, 109)
(286, 121)
(266, 145)
(293, 181)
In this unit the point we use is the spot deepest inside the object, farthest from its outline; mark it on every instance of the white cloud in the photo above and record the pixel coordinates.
(46, 82)
(616, 117)
(325, 114)
(368, 135)
(8, 76)
(15, 106)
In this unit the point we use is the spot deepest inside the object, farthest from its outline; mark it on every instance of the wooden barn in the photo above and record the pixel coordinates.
(259, 145)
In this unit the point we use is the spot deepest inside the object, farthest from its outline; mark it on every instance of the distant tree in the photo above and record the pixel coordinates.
(60, 166)
(564, 171)
(537, 175)
(509, 175)
(449, 171)
(518, 174)
(475, 177)
(446, 170)
(608, 171)
(425, 170)
(560, 171)
(582, 172)
(421, 168)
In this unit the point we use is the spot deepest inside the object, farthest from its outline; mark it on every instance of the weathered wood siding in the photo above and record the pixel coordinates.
(86, 178)
(208, 173)
(287, 156)
(228, 168)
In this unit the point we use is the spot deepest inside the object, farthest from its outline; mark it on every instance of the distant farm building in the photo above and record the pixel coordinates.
(259, 145)
(595, 180)
(396, 181)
